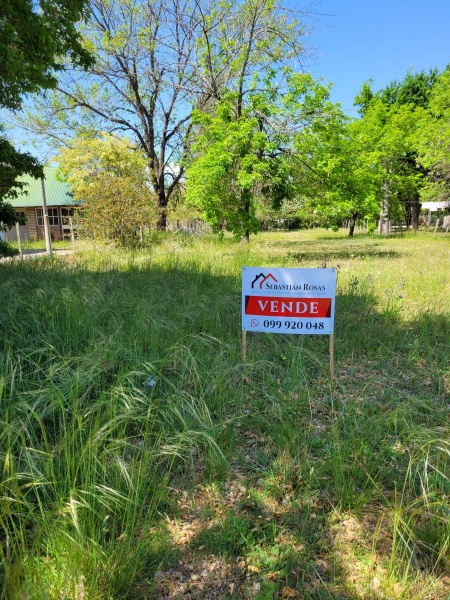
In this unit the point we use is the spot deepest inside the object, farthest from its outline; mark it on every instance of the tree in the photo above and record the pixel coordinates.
(332, 181)
(107, 175)
(155, 62)
(434, 141)
(13, 164)
(35, 36)
(244, 152)
(414, 89)
(8, 217)
(392, 115)
(386, 137)
(230, 162)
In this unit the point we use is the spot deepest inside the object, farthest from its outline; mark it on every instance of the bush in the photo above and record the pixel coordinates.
(7, 250)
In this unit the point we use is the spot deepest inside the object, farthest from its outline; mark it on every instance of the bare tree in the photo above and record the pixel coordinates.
(155, 62)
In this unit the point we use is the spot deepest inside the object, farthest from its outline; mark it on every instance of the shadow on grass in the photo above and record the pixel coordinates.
(352, 253)
(328, 248)
(251, 550)
(185, 318)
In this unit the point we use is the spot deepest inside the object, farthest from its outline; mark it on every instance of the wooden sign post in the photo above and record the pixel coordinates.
(296, 301)
(244, 346)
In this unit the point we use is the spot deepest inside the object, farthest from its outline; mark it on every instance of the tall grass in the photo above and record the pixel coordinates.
(122, 387)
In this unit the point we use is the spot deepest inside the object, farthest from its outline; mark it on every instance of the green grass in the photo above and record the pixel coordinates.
(224, 480)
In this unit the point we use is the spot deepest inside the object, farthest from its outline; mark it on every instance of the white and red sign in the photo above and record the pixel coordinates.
(299, 301)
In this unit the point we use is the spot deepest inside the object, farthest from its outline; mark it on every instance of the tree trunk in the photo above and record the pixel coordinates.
(351, 225)
(408, 215)
(161, 223)
(415, 206)
(246, 198)
(383, 227)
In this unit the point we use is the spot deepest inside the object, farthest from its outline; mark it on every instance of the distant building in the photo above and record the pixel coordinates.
(435, 206)
(60, 206)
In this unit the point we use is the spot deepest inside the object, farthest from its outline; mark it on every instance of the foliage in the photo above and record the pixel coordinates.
(222, 179)
(7, 250)
(414, 89)
(332, 180)
(434, 141)
(386, 137)
(296, 214)
(9, 217)
(36, 38)
(108, 177)
(244, 152)
(147, 87)
(12, 165)
(402, 175)
(349, 169)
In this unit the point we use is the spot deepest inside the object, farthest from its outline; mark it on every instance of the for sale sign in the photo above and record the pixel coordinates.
(288, 300)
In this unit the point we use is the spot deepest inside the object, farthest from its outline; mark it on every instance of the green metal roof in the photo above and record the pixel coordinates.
(56, 192)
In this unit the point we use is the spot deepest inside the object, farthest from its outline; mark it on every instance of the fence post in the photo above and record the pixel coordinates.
(19, 243)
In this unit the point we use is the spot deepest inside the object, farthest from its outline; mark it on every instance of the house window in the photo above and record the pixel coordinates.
(66, 213)
(53, 218)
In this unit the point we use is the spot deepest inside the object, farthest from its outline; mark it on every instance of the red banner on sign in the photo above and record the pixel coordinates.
(271, 306)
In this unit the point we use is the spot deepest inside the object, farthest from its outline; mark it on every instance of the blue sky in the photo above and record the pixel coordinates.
(356, 40)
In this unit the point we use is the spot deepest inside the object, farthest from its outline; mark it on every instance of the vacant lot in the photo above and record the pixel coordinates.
(141, 459)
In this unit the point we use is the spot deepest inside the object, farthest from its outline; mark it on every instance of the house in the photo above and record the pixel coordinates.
(60, 206)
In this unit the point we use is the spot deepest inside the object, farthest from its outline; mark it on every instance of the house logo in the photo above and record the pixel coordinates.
(261, 279)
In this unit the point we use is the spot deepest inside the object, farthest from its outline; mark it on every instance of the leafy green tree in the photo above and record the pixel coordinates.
(386, 137)
(401, 104)
(222, 180)
(333, 182)
(108, 176)
(36, 36)
(244, 152)
(14, 164)
(155, 62)
(414, 89)
(434, 141)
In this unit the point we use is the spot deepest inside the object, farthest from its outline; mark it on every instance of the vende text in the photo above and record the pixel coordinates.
(292, 307)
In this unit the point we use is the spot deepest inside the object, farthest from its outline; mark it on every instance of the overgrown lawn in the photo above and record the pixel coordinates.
(141, 459)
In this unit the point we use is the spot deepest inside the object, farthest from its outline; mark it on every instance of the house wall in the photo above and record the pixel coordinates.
(55, 232)
(31, 231)
(31, 224)
(11, 235)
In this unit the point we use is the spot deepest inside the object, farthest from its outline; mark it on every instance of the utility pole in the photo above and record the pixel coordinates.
(48, 238)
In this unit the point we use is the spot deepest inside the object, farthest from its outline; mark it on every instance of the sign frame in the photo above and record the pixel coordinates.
(288, 301)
